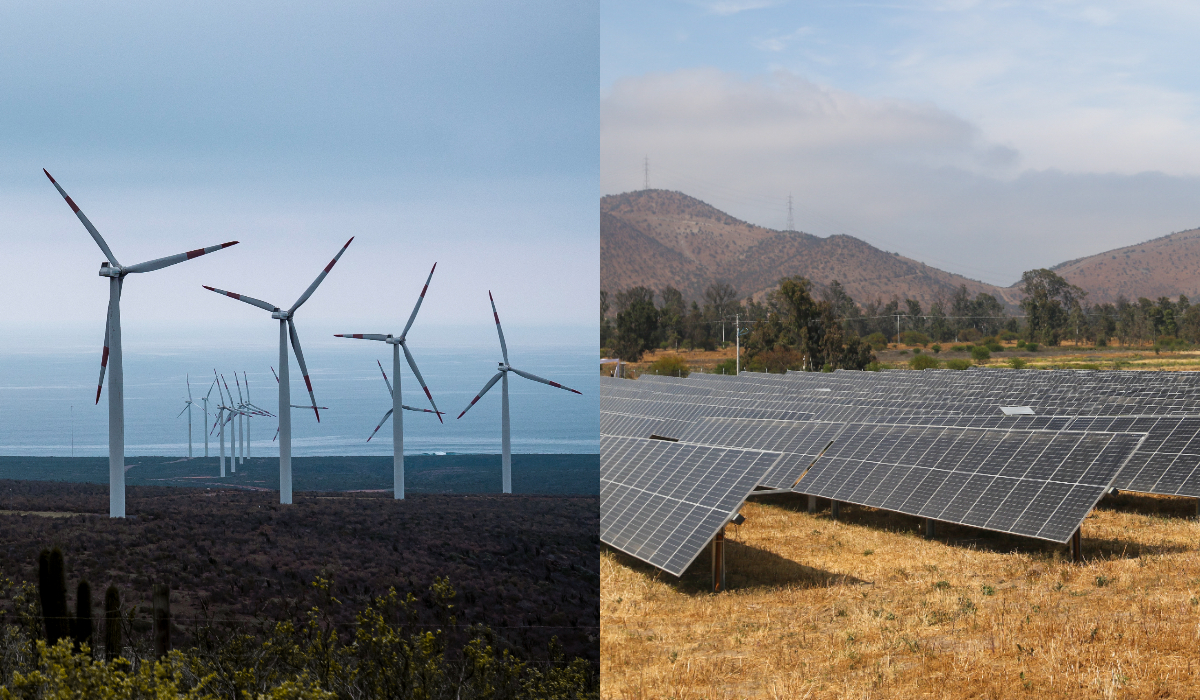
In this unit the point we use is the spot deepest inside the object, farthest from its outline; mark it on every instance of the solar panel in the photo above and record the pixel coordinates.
(662, 502)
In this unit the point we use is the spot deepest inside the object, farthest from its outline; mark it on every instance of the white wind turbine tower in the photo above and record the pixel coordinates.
(287, 327)
(115, 272)
(188, 407)
(505, 368)
(234, 411)
(205, 402)
(241, 406)
(222, 418)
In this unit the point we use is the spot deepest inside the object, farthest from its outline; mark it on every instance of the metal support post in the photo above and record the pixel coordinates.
(835, 509)
(737, 336)
(929, 528)
(718, 561)
(1077, 546)
(812, 504)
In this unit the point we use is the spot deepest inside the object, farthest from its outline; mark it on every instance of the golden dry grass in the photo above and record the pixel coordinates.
(864, 607)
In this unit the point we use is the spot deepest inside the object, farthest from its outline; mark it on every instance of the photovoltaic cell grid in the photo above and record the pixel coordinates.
(1034, 483)
(1168, 462)
(662, 502)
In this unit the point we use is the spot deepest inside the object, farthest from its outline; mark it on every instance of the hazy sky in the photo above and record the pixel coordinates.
(458, 132)
(986, 138)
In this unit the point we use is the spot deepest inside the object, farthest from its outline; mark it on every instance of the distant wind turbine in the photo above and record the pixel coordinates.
(116, 273)
(398, 343)
(505, 368)
(205, 402)
(287, 327)
(188, 407)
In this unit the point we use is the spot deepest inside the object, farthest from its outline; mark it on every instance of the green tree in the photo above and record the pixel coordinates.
(670, 316)
(720, 305)
(637, 323)
(606, 329)
(1047, 303)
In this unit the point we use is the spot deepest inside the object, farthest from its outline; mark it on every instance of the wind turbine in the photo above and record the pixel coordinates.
(241, 405)
(205, 401)
(505, 368)
(397, 343)
(222, 419)
(233, 414)
(115, 272)
(188, 407)
(287, 327)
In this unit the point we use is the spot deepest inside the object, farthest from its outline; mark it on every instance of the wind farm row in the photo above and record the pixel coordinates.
(237, 413)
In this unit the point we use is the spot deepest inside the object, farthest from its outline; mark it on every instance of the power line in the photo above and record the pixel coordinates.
(646, 166)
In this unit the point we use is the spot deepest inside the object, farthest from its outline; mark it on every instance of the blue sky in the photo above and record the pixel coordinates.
(986, 138)
(458, 132)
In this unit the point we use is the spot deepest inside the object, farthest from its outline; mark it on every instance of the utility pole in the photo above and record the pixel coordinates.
(646, 167)
(737, 334)
(791, 223)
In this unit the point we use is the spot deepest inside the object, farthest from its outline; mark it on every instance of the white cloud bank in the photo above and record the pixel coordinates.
(904, 175)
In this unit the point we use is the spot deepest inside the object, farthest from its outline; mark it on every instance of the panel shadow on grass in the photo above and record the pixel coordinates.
(999, 542)
(746, 567)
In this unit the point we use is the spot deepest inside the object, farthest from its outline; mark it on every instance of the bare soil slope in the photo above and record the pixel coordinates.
(658, 238)
(1167, 266)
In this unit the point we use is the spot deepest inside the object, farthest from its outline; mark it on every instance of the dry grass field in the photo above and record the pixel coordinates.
(865, 607)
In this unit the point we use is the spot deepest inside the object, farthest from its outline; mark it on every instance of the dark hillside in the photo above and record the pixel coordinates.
(528, 566)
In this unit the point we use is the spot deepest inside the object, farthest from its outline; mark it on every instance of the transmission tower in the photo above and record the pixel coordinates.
(646, 167)
(791, 223)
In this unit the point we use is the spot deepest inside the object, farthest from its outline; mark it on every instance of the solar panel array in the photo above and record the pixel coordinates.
(662, 502)
(934, 444)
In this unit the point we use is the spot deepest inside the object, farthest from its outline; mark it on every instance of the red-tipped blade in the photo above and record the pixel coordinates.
(313, 287)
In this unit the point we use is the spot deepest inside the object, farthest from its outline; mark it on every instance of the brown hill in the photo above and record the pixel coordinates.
(659, 238)
(1167, 266)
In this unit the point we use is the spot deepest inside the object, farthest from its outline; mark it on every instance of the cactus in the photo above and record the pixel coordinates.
(52, 589)
(81, 627)
(162, 620)
(112, 624)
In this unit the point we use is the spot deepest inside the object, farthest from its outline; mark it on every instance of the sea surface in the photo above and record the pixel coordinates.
(47, 401)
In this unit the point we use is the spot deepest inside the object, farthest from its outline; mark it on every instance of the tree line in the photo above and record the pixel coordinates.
(798, 326)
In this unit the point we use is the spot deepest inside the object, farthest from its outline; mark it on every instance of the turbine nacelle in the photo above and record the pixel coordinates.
(280, 315)
(107, 270)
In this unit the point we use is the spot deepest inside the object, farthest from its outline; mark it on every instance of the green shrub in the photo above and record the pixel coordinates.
(914, 338)
(727, 367)
(873, 366)
(961, 348)
(1031, 347)
(980, 354)
(672, 365)
(924, 362)
(903, 352)
(877, 340)
(1017, 362)
(1021, 343)
(969, 335)
(958, 364)
(935, 348)
(1007, 335)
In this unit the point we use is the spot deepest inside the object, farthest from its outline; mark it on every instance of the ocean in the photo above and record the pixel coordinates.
(47, 400)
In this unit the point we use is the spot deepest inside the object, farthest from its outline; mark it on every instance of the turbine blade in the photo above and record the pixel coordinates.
(536, 378)
(104, 355)
(420, 410)
(276, 434)
(300, 361)
(385, 379)
(152, 265)
(188, 378)
(181, 412)
(242, 297)
(420, 299)
(313, 287)
(276, 375)
(412, 364)
(500, 331)
(239, 388)
(361, 336)
(489, 385)
(247, 381)
(86, 224)
(381, 422)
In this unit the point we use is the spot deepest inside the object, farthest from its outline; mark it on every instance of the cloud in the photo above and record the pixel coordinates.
(733, 7)
(779, 43)
(904, 175)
